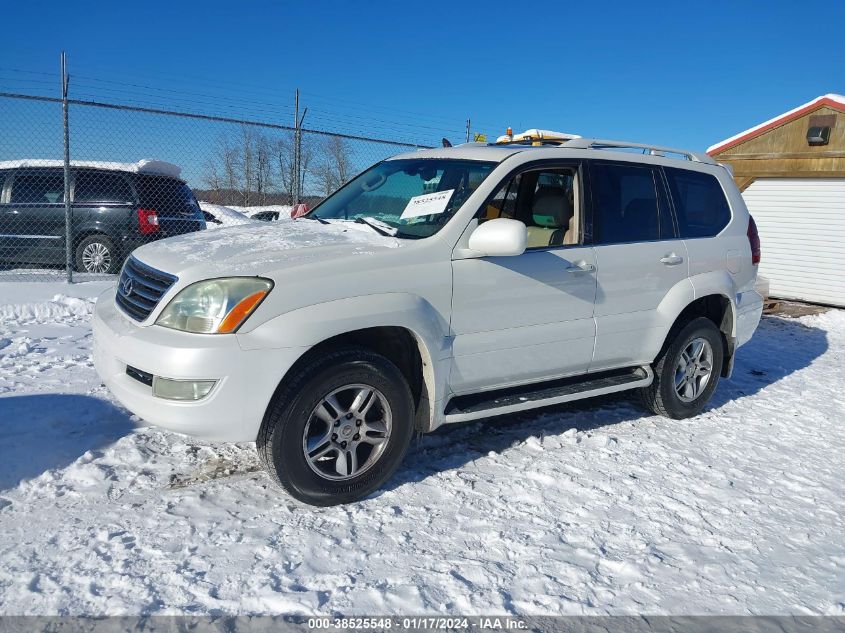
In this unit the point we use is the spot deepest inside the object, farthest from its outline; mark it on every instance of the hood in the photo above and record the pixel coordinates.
(261, 248)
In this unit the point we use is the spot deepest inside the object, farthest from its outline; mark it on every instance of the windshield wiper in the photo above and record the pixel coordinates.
(380, 227)
(314, 217)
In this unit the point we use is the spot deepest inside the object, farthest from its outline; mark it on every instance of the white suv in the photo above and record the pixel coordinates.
(438, 286)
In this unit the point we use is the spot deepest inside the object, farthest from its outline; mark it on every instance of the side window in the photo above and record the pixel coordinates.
(503, 204)
(38, 187)
(700, 202)
(2, 183)
(625, 204)
(100, 186)
(545, 201)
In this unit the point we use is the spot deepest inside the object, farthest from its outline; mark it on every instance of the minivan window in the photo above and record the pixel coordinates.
(38, 187)
(625, 203)
(700, 202)
(166, 195)
(99, 186)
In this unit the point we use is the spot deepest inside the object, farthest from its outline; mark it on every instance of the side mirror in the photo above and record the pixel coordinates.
(499, 238)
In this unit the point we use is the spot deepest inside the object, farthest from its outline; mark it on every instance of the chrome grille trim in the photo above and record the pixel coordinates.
(148, 286)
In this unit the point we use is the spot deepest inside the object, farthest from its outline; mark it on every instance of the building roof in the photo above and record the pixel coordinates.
(832, 100)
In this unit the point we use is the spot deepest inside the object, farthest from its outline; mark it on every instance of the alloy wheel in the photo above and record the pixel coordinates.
(694, 369)
(96, 258)
(347, 432)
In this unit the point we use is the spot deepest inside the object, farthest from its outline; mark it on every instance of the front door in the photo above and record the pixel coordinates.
(639, 259)
(527, 318)
(35, 202)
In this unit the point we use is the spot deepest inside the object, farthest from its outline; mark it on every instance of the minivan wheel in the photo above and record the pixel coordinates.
(687, 371)
(96, 254)
(338, 429)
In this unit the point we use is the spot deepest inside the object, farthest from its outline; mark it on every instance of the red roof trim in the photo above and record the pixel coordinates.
(786, 118)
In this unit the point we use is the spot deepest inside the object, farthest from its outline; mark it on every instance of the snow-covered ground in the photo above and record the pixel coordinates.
(227, 216)
(594, 508)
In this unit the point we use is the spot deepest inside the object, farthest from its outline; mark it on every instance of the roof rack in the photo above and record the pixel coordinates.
(653, 150)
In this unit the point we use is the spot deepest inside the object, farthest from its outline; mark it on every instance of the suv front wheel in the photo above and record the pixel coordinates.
(339, 428)
(686, 372)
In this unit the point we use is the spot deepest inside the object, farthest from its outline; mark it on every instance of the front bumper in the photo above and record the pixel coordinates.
(232, 411)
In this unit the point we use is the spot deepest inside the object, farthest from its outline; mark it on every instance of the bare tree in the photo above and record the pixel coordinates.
(284, 154)
(334, 167)
(245, 162)
(263, 167)
(222, 172)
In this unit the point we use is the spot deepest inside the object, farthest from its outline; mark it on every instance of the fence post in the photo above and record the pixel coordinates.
(68, 221)
(295, 183)
(297, 151)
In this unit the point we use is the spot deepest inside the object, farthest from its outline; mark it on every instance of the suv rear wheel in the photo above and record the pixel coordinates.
(687, 371)
(339, 429)
(96, 254)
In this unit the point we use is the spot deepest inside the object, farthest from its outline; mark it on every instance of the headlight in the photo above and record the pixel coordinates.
(215, 306)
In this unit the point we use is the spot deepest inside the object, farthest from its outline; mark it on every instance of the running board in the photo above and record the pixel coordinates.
(501, 401)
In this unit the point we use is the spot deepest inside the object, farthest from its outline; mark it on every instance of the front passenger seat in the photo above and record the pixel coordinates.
(552, 213)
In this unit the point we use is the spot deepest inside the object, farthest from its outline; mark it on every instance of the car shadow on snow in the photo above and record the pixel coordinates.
(779, 348)
(40, 432)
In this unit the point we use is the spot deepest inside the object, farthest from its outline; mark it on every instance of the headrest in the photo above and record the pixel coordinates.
(551, 207)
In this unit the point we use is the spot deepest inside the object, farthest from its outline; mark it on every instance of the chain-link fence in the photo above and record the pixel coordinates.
(134, 175)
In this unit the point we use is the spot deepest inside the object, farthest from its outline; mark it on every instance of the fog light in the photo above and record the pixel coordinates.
(171, 389)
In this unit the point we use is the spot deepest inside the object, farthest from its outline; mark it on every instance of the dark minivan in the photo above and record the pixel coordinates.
(115, 208)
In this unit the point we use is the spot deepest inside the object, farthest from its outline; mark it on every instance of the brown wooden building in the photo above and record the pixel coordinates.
(791, 170)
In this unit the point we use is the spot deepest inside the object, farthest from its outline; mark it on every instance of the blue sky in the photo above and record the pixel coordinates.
(684, 74)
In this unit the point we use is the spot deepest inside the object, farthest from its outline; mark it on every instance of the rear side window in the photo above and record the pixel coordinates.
(38, 187)
(626, 204)
(166, 195)
(99, 186)
(700, 202)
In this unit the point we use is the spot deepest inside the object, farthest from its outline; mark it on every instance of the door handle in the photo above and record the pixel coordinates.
(671, 260)
(581, 267)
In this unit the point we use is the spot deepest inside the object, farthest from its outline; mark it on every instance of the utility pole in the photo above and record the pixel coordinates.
(68, 213)
(468, 129)
(297, 151)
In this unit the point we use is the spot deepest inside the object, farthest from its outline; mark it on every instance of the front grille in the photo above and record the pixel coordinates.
(140, 288)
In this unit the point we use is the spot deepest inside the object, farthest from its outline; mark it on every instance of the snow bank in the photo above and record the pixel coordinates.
(61, 307)
(226, 215)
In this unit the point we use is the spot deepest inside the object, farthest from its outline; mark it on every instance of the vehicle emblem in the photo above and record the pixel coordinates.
(126, 287)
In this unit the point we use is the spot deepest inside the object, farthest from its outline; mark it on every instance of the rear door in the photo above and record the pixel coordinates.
(103, 201)
(639, 258)
(36, 201)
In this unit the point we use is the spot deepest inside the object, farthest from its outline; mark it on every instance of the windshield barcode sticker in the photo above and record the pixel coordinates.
(427, 204)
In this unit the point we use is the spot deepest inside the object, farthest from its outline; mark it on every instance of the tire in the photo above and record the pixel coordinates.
(303, 418)
(96, 254)
(679, 390)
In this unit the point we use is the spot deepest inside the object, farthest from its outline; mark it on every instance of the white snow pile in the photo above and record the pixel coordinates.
(594, 508)
(226, 215)
(60, 308)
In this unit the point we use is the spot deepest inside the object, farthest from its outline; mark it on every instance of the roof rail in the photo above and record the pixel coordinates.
(654, 150)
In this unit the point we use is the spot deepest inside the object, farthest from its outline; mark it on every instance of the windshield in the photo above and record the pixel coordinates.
(416, 197)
